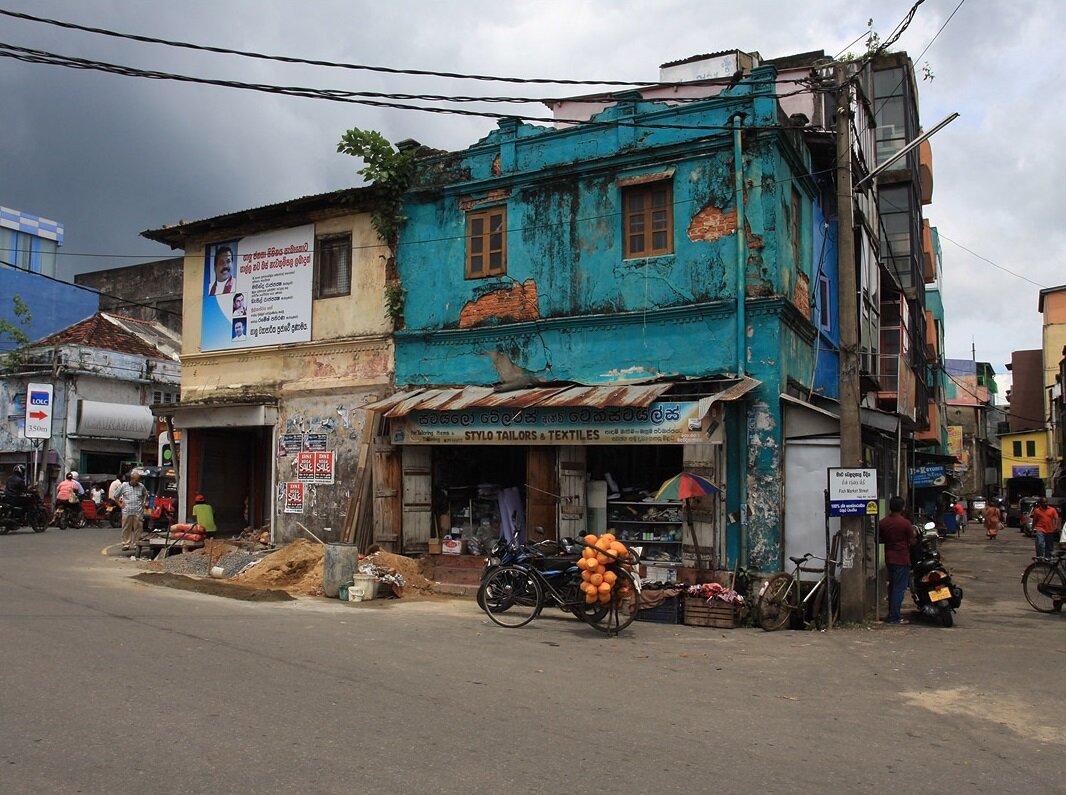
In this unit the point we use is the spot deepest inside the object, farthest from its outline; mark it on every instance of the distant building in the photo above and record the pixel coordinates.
(106, 371)
(29, 246)
(146, 291)
(1026, 395)
(1052, 305)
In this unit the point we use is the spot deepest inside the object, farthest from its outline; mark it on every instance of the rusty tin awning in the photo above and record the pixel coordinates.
(456, 398)
(403, 403)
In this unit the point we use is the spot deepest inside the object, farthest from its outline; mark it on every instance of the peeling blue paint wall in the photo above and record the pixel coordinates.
(571, 307)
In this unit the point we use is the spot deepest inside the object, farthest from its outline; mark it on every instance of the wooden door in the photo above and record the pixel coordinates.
(417, 497)
(386, 480)
(542, 488)
(572, 501)
(706, 514)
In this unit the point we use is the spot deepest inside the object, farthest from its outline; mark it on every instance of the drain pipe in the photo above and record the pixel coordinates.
(742, 328)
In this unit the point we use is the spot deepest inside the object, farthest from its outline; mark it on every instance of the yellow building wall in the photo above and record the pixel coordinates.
(1010, 460)
(351, 343)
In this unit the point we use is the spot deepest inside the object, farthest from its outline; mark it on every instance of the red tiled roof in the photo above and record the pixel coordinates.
(98, 332)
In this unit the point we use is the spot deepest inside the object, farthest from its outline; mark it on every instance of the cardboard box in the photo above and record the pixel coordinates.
(450, 546)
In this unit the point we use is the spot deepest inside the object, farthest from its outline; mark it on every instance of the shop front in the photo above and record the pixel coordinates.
(553, 462)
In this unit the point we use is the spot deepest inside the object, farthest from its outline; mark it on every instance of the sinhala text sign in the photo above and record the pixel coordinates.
(257, 290)
(852, 491)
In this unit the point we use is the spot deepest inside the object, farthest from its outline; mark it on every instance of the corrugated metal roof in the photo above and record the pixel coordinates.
(731, 392)
(454, 399)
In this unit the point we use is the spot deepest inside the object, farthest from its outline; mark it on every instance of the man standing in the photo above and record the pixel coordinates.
(131, 499)
(1046, 528)
(897, 534)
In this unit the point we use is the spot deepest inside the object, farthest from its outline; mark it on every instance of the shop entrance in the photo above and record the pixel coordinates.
(231, 468)
(479, 491)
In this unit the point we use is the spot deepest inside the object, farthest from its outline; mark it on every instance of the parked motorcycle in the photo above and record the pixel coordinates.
(111, 513)
(934, 594)
(30, 514)
(545, 555)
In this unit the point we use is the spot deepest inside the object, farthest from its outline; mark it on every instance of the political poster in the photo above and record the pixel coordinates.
(257, 290)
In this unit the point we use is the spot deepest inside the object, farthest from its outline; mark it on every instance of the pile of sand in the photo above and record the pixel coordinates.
(295, 567)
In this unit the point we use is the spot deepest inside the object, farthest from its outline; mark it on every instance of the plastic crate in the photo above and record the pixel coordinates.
(718, 614)
(666, 612)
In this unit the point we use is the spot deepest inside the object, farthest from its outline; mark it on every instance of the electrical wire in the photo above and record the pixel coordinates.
(990, 262)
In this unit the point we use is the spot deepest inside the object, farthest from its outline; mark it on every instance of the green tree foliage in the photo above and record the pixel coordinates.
(15, 334)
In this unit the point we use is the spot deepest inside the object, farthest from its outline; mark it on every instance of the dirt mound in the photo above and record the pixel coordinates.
(214, 587)
(416, 583)
(295, 567)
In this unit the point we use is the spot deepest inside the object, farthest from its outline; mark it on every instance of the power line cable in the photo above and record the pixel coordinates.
(990, 262)
(30, 55)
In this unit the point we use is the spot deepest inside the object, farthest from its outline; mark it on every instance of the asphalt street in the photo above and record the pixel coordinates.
(110, 685)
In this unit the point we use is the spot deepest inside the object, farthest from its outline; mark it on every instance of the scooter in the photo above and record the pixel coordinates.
(932, 590)
(73, 514)
(31, 514)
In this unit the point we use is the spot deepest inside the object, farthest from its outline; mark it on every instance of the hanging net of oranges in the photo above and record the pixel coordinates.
(601, 553)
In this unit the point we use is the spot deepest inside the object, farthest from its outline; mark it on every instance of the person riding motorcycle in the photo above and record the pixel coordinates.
(16, 493)
(69, 493)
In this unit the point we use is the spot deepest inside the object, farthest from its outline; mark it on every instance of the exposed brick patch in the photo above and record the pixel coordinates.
(467, 203)
(802, 295)
(515, 303)
(711, 223)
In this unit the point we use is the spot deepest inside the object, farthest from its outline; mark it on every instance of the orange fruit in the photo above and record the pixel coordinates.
(602, 559)
(583, 563)
(586, 576)
(604, 598)
(588, 552)
(596, 579)
(610, 576)
(605, 587)
(609, 538)
(590, 539)
(591, 598)
(602, 544)
(597, 569)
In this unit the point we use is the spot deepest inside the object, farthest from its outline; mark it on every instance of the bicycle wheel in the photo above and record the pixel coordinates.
(513, 597)
(774, 608)
(620, 611)
(1046, 574)
(819, 603)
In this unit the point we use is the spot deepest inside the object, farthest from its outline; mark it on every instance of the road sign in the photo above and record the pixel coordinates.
(38, 411)
(852, 491)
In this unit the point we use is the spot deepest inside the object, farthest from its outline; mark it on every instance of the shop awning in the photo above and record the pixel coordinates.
(734, 391)
(113, 420)
(403, 403)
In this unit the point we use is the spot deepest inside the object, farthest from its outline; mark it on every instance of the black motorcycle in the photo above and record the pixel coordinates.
(557, 558)
(69, 514)
(934, 594)
(29, 512)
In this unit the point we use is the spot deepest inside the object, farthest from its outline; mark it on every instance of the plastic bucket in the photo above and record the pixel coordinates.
(338, 566)
(368, 584)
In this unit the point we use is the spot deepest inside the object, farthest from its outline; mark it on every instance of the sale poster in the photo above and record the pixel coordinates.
(294, 497)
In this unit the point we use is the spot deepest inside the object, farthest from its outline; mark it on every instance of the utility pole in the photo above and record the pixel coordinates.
(852, 533)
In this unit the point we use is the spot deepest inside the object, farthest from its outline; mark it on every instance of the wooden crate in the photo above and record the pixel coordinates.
(721, 615)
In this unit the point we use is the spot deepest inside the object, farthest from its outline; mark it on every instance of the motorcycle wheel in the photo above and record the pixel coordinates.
(115, 519)
(80, 522)
(947, 617)
(5, 529)
(61, 520)
(39, 521)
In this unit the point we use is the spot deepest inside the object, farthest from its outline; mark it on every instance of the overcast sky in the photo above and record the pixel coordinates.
(110, 156)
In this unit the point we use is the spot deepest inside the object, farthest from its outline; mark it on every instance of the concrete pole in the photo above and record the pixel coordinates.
(853, 537)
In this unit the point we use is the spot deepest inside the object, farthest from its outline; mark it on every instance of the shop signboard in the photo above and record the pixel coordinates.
(928, 476)
(852, 491)
(664, 422)
(1024, 471)
(257, 290)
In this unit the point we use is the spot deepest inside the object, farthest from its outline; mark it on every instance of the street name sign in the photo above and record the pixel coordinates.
(852, 491)
(38, 411)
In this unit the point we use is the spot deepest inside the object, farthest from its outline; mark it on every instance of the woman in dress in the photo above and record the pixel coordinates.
(993, 519)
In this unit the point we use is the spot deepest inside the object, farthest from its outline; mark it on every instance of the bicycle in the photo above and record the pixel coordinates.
(780, 600)
(1044, 583)
(515, 594)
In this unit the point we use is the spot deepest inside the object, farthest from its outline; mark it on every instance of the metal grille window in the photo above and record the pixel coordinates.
(333, 266)
(486, 243)
(648, 219)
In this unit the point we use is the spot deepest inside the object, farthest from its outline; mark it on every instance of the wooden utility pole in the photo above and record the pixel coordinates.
(853, 538)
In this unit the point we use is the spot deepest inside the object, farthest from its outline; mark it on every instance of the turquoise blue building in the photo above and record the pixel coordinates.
(570, 292)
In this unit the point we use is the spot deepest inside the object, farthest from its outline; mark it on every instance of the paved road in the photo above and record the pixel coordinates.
(113, 686)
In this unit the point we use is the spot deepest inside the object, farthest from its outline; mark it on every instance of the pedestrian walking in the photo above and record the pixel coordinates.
(993, 520)
(131, 498)
(1046, 524)
(898, 536)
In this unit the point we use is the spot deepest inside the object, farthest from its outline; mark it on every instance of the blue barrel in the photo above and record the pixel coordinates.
(951, 523)
(338, 567)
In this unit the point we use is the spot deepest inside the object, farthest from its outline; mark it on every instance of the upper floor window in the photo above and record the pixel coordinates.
(486, 243)
(648, 219)
(1017, 449)
(1030, 448)
(825, 318)
(333, 266)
